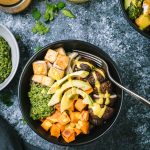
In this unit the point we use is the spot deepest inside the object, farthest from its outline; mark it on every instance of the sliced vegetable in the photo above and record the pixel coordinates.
(55, 86)
(66, 99)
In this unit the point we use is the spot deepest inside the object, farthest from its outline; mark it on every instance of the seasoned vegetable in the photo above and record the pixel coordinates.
(39, 100)
(5, 60)
(135, 9)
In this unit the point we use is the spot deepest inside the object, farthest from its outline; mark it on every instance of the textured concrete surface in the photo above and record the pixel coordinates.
(101, 23)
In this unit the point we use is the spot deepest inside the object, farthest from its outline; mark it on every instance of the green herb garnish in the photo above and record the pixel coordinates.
(61, 5)
(36, 14)
(5, 60)
(68, 13)
(39, 101)
(40, 28)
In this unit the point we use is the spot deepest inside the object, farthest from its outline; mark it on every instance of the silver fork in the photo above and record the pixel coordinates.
(101, 63)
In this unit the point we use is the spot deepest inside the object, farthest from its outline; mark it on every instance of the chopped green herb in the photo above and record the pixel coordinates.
(5, 59)
(39, 101)
(36, 14)
(50, 12)
(40, 28)
(61, 5)
(68, 13)
(38, 48)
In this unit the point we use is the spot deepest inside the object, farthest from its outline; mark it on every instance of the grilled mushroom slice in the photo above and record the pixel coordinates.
(106, 86)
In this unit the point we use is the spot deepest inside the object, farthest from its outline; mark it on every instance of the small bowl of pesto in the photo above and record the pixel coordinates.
(137, 13)
(9, 56)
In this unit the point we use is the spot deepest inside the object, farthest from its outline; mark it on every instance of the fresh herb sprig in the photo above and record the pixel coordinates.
(51, 11)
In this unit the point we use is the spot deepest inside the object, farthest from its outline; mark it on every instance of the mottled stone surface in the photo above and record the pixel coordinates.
(101, 23)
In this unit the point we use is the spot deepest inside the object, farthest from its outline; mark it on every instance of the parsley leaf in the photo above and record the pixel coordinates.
(61, 5)
(40, 28)
(68, 13)
(36, 14)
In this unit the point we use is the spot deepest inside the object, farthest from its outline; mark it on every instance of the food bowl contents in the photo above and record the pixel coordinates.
(5, 60)
(139, 12)
(69, 94)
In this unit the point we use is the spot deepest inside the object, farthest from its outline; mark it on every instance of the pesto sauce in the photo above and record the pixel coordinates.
(5, 60)
(39, 101)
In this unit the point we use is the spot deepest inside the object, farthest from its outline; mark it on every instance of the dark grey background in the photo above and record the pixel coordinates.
(99, 22)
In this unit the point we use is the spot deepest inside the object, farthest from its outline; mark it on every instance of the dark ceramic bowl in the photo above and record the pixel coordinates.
(24, 87)
(144, 33)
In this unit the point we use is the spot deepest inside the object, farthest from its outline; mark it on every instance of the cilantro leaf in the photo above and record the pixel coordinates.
(36, 14)
(61, 5)
(50, 12)
(68, 13)
(40, 28)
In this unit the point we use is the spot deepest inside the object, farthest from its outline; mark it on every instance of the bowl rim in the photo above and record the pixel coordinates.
(13, 72)
(38, 53)
(121, 2)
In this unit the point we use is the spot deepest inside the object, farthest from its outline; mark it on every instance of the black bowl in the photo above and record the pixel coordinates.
(144, 33)
(23, 89)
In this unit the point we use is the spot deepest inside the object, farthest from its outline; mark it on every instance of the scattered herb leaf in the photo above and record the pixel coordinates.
(36, 14)
(61, 5)
(40, 28)
(68, 13)
(49, 14)
(37, 48)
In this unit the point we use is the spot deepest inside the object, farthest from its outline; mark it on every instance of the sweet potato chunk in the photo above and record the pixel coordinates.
(55, 131)
(77, 131)
(60, 51)
(79, 105)
(61, 127)
(47, 81)
(61, 62)
(51, 55)
(68, 135)
(84, 116)
(40, 67)
(75, 116)
(37, 78)
(54, 117)
(57, 106)
(85, 127)
(46, 125)
(55, 73)
(64, 119)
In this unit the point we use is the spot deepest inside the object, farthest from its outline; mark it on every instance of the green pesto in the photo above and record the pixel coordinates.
(5, 60)
(39, 101)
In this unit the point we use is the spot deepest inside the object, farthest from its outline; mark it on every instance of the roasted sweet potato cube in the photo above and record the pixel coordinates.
(60, 51)
(61, 127)
(68, 135)
(37, 78)
(46, 125)
(49, 65)
(54, 117)
(84, 116)
(64, 119)
(55, 131)
(51, 55)
(61, 62)
(72, 108)
(57, 106)
(79, 105)
(40, 67)
(55, 73)
(75, 116)
(84, 127)
(47, 81)
(77, 131)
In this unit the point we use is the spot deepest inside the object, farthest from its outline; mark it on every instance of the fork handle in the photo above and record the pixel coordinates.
(131, 93)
